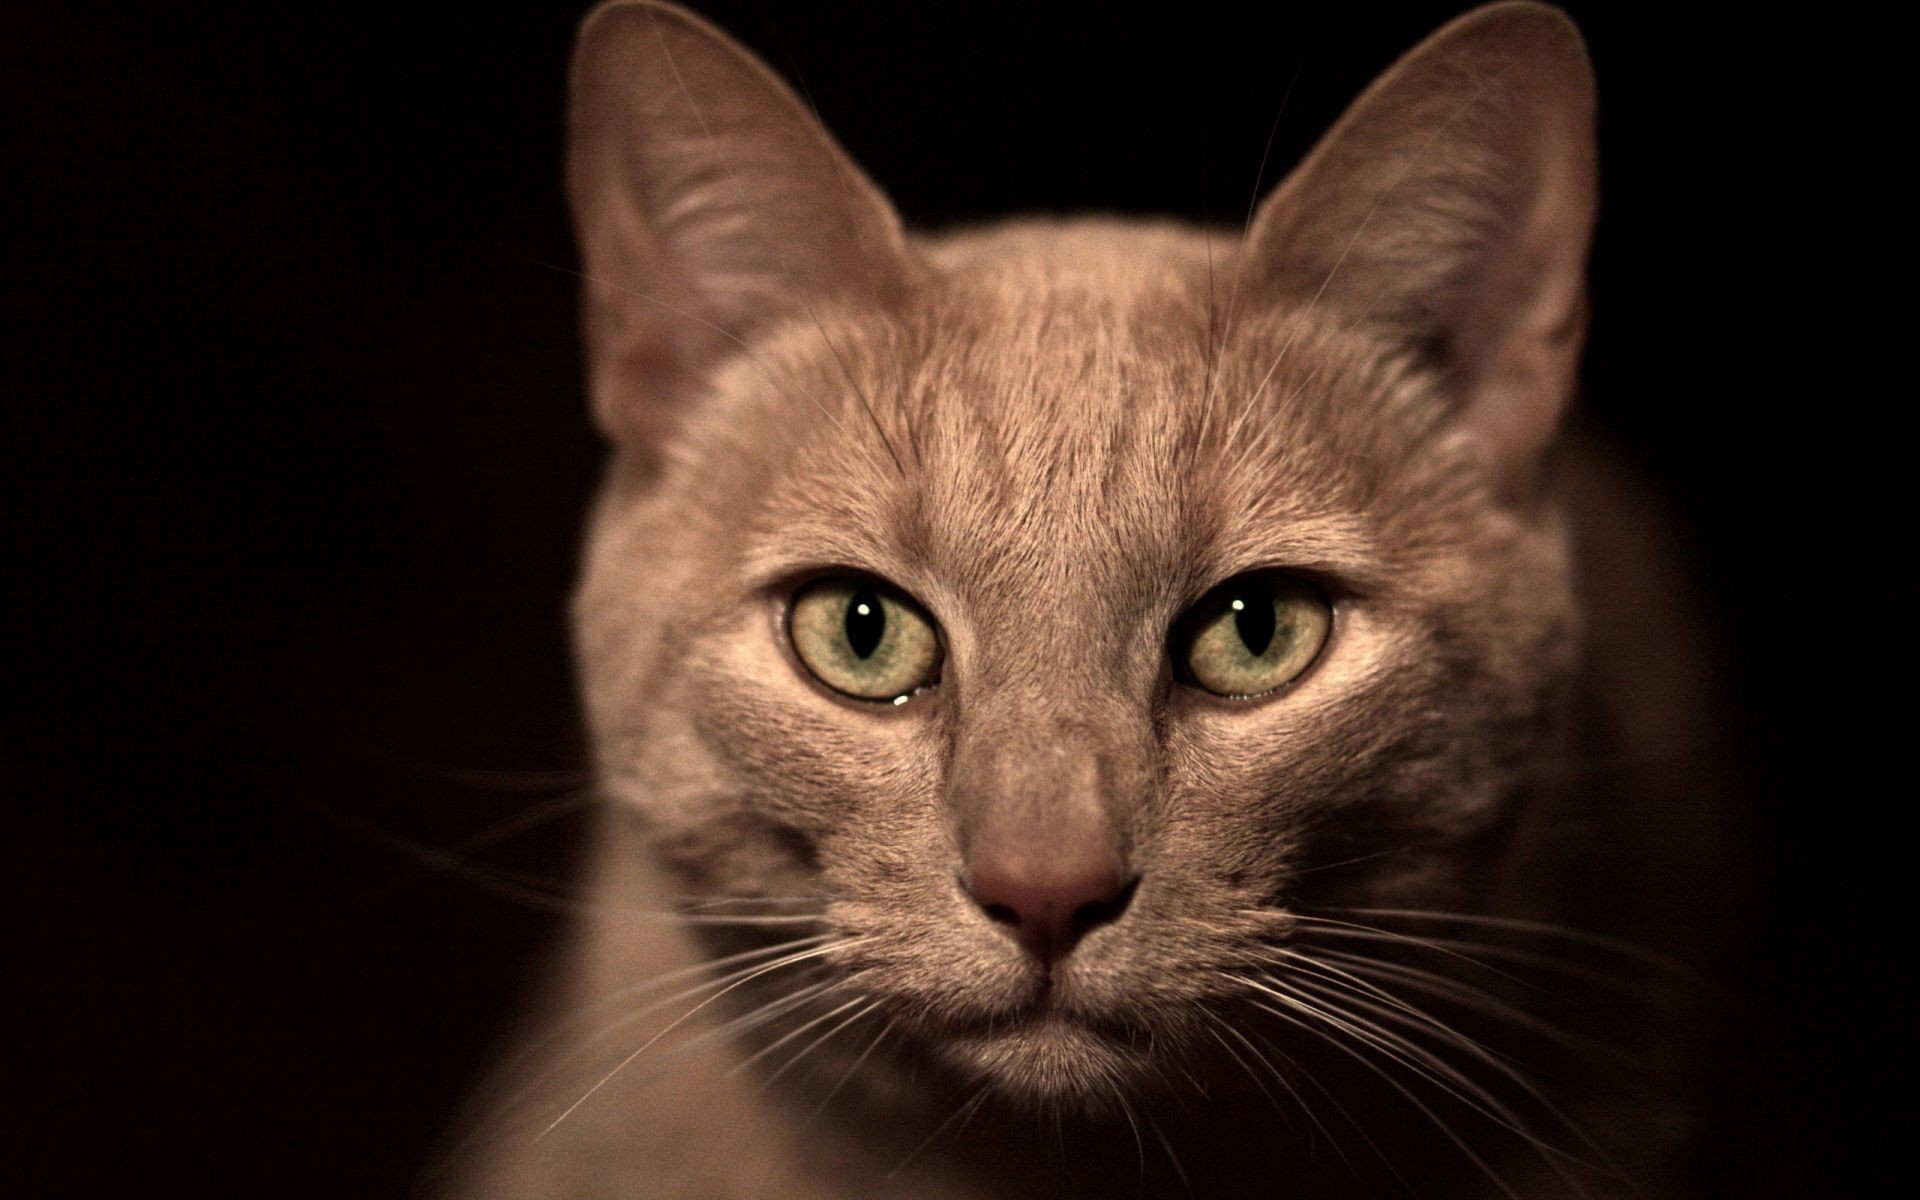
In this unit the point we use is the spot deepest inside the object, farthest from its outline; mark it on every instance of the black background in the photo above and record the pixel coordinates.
(296, 506)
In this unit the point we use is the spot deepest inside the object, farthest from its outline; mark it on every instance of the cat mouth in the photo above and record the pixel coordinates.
(1049, 1008)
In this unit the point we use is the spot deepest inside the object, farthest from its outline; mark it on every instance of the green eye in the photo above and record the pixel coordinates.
(1252, 634)
(860, 637)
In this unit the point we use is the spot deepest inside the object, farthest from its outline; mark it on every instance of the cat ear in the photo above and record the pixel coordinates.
(1452, 206)
(708, 202)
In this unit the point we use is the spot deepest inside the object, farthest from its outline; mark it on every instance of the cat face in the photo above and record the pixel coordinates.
(1066, 607)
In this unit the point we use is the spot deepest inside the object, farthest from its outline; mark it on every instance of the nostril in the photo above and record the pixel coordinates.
(1095, 913)
(1000, 913)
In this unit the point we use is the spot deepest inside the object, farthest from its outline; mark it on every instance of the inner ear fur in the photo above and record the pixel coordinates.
(708, 202)
(1451, 208)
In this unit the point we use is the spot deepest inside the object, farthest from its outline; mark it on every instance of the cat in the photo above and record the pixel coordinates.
(1113, 707)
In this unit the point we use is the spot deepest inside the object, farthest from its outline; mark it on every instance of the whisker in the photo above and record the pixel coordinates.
(1186, 1185)
(1339, 977)
(873, 281)
(1248, 1068)
(520, 887)
(1385, 1159)
(1398, 1049)
(1286, 1083)
(1465, 995)
(851, 1071)
(495, 881)
(1212, 359)
(1431, 1116)
(770, 1047)
(1349, 929)
(531, 817)
(1599, 941)
(1451, 1080)
(1423, 1022)
(559, 1031)
(1126, 1109)
(966, 1106)
(1240, 264)
(859, 392)
(492, 779)
(1358, 858)
(688, 1015)
(691, 903)
(1476, 952)
(764, 1014)
(708, 965)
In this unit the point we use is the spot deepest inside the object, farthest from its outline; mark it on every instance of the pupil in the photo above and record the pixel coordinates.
(1253, 617)
(866, 622)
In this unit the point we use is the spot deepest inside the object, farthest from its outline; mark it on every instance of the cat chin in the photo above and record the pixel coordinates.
(1050, 1063)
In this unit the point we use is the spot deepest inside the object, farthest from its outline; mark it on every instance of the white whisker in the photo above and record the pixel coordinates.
(1349, 929)
(688, 1015)
(744, 963)
(1464, 995)
(964, 1112)
(1599, 941)
(1501, 1113)
(1431, 1116)
(747, 1062)
(851, 1071)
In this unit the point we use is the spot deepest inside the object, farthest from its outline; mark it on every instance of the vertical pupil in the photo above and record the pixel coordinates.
(866, 622)
(1253, 617)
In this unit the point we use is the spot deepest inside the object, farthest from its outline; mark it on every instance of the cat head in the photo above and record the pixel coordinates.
(1070, 606)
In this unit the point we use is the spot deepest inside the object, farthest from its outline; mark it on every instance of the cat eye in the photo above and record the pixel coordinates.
(864, 639)
(1251, 635)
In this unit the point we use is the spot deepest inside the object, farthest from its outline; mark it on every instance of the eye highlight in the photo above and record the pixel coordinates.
(1252, 634)
(863, 639)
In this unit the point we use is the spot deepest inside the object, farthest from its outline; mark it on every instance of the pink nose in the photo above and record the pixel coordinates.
(1049, 910)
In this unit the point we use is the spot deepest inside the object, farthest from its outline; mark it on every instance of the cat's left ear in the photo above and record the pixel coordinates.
(1452, 207)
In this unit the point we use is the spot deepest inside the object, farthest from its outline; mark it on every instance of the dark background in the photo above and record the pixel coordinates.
(296, 506)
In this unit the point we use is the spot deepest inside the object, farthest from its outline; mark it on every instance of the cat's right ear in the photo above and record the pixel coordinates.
(708, 203)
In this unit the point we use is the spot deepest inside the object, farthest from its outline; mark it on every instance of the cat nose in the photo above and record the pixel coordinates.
(1050, 908)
